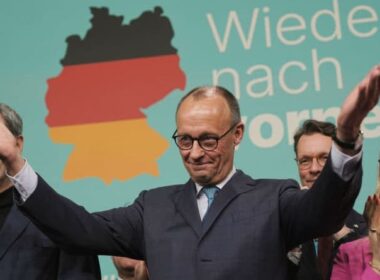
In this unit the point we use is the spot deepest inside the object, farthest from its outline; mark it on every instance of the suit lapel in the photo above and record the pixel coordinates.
(238, 184)
(186, 205)
(13, 227)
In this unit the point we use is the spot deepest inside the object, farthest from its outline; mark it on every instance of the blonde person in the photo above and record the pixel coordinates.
(360, 259)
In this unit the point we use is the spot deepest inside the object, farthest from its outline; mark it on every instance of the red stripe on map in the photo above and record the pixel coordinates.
(109, 91)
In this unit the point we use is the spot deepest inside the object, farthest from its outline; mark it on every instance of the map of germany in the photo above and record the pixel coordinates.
(96, 102)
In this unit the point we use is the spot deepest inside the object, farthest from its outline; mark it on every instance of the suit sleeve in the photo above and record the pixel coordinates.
(73, 266)
(118, 231)
(321, 210)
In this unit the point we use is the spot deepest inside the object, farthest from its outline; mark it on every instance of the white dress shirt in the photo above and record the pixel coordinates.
(202, 201)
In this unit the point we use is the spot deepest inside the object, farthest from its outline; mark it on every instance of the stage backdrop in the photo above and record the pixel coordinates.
(97, 83)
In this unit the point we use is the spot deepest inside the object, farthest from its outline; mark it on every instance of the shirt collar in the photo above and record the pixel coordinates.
(221, 184)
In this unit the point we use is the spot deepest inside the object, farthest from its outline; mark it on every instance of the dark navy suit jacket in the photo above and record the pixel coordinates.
(308, 268)
(245, 234)
(26, 253)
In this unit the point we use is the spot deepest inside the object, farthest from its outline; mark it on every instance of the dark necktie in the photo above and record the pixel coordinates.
(210, 192)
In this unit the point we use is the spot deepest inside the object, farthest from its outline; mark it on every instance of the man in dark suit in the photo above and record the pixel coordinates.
(25, 252)
(312, 144)
(187, 232)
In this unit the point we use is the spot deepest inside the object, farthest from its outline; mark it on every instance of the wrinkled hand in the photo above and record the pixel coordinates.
(357, 105)
(130, 269)
(11, 150)
(372, 212)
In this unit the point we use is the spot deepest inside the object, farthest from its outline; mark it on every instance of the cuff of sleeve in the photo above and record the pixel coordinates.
(25, 181)
(342, 164)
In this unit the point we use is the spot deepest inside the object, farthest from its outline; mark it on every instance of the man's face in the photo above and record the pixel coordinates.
(208, 116)
(314, 147)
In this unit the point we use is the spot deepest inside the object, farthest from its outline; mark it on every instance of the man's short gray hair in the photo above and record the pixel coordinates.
(11, 119)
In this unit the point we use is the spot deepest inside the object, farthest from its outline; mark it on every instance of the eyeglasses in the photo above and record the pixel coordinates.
(306, 162)
(206, 142)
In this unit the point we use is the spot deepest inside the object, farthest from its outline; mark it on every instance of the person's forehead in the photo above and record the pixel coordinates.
(199, 117)
(208, 105)
(314, 142)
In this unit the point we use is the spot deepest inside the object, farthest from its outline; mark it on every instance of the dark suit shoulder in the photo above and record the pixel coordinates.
(165, 191)
(280, 185)
(278, 182)
(241, 177)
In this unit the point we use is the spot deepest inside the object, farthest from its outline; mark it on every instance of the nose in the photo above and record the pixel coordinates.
(315, 166)
(196, 151)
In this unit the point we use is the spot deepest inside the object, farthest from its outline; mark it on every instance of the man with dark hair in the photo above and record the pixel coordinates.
(25, 252)
(213, 226)
(312, 145)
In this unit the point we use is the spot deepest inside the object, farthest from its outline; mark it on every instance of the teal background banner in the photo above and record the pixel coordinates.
(286, 61)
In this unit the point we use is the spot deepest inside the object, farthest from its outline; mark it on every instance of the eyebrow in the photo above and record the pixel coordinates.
(318, 155)
(202, 135)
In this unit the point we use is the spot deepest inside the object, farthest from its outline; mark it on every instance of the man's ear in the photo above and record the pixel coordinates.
(20, 142)
(239, 132)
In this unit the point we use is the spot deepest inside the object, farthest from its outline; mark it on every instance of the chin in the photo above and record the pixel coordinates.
(202, 180)
(308, 185)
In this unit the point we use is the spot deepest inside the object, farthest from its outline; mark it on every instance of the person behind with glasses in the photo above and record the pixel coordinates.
(221, 223)
(312, 145)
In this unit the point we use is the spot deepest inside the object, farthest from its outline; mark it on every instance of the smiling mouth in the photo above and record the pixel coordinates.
(198, 165)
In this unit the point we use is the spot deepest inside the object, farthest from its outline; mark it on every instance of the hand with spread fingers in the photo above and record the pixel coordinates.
(357, 105)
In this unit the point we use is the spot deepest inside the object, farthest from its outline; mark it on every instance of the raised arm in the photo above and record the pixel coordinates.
(356, 106)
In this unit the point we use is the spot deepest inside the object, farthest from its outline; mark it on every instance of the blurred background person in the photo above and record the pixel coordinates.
(360, 259)
(25, 252)
(313, 259)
